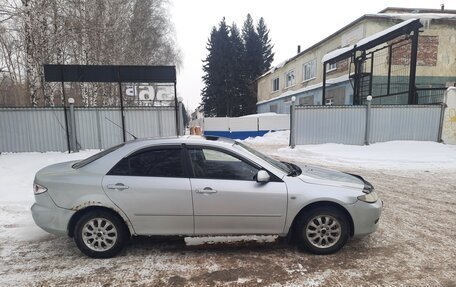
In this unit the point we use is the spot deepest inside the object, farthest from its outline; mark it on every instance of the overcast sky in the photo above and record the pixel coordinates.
(291, 23)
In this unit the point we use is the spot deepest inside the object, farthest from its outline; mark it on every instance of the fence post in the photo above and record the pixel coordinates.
(368, 118)
(73, 140)
(97, 114)
(292, 125)
(181, 120)
(442, 117)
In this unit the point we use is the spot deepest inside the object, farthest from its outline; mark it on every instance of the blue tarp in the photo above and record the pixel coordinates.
(235, 135)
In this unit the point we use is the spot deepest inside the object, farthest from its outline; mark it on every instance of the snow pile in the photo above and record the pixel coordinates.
(270, 138)
(408, 155)
(17, 171)
(380, 34)
(387, 155)
(333, 54)
(261, 115)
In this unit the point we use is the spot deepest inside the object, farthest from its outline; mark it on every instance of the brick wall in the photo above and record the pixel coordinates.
(342, 66)
(427, 51)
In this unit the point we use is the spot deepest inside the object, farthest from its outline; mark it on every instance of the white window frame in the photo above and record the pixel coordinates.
(286, 79)
(331, 67)
(313, 75)
(329, 102)
(278, 84)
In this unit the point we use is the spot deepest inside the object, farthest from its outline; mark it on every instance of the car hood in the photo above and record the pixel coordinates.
(318, 175)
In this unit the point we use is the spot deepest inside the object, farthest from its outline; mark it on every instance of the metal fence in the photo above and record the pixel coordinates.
(348, 124)
(43, 129)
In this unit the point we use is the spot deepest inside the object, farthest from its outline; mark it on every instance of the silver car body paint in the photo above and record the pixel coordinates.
(180, 206)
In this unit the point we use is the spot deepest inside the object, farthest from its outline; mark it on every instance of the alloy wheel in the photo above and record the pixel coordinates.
(323, 231)
(99, 234)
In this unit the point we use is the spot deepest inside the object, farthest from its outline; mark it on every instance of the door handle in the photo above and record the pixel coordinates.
(118, 186)
(206, 190)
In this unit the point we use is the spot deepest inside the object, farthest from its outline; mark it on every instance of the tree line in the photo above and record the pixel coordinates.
(102, 32)
(235, 60)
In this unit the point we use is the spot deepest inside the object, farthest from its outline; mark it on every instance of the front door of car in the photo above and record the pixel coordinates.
(228, 200)
(153, 189)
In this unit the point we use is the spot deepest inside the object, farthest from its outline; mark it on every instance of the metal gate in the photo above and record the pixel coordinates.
(385, 74)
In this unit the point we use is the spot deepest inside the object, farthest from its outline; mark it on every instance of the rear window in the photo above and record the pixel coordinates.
(93, 158)
(153, 163)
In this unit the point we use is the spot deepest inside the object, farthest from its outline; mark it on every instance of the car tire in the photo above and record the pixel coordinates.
(100, 234)
(322, 230)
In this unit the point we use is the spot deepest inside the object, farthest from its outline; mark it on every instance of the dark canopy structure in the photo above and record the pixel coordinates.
(357, 53)
(111, 74)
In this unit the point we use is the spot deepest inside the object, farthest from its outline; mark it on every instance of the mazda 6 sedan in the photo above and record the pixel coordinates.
(192, 186)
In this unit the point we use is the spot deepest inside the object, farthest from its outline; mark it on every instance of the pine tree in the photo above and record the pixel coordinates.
(236, 80)
(253, 64)
(266, 46)
(208, 92)
(233, 64)
(215, 96)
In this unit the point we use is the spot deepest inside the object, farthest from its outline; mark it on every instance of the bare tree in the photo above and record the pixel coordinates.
(35, 32)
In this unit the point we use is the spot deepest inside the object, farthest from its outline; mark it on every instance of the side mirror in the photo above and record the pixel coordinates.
(262, 176)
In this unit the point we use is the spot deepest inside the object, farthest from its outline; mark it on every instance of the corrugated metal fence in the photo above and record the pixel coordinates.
(43, 129)
(347, 124)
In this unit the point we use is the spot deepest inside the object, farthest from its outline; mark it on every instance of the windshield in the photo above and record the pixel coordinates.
(277, 164)
(96, 156)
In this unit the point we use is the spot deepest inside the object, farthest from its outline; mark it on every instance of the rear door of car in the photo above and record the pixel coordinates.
(152, 187)
(228, 200)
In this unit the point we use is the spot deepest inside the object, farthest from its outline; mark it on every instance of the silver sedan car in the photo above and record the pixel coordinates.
(193, 186)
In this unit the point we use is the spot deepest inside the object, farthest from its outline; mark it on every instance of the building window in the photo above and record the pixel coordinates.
(335, 96)
(309, 70)
(331, 67)
(329, 101)
(306, 101)
(273, 108)
(289, 79)
(275, 84)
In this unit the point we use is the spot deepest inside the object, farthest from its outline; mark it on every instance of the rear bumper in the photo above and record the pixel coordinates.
(49, 217)
(366, 217)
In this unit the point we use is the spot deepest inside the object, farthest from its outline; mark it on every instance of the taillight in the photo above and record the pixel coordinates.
(38, 189)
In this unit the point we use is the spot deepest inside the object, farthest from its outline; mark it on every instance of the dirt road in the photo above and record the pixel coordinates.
(414, 246)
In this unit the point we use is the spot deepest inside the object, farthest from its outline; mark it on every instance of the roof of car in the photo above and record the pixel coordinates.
(186, 139)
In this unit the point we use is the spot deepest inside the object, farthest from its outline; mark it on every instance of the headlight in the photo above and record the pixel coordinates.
(368, 187)
(37, 189)
(369, 198)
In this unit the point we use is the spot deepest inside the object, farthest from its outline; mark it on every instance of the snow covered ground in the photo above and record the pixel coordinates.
(414, 245)
(399, 155)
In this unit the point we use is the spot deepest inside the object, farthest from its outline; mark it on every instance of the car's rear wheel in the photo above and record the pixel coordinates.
(322, 230)
(100, 234)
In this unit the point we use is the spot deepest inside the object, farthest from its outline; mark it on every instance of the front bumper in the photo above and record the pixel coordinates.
(50, 217)
(366, 217)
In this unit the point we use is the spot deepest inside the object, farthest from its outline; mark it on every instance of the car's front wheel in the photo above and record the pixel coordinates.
(322, 230)
(100, 234)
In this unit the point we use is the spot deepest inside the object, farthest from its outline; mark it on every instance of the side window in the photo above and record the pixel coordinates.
(214, 164)
(154, 163)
